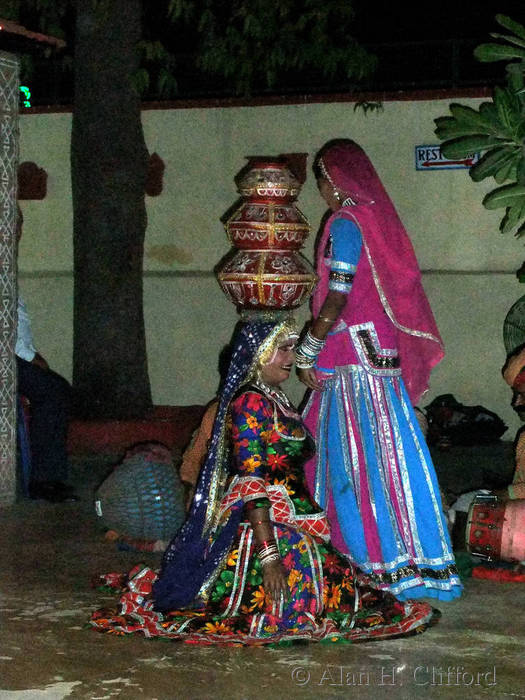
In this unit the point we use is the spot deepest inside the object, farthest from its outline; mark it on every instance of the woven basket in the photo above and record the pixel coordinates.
(142, 498)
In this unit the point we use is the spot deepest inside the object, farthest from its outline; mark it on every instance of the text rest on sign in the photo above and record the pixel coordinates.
(430, 158)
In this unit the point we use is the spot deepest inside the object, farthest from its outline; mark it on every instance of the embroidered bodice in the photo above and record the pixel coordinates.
(270, 445)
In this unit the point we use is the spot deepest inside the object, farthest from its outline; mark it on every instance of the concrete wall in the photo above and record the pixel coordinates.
(468, 267)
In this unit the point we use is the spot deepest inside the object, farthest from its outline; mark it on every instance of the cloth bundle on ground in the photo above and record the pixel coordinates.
(142, 500)
(454, 423)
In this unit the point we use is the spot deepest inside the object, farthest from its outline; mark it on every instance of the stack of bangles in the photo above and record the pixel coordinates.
(268, 552)
(306, 353)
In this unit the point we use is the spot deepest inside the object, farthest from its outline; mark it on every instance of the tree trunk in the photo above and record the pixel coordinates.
(108, 165)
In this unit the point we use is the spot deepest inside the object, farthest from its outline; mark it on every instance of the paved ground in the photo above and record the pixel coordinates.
(49, 553)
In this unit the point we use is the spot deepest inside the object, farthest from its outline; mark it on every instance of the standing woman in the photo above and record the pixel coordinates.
(367, 357)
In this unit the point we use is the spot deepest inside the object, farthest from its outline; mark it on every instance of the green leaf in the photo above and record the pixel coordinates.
(512, 218)
(506, 196)
(508, 108)
(506, 172)
(492, 162)
(520, 170)
(140, 81)
(519, 233)
(468, 116)
(488, 121)
(515, 78)
(488, 53)
(166, 83)
(520, 132)
(227, 577)
(448, 128)
(490, 114)
(464, 146)
(510, 39)
(369, 106)
(511, 25)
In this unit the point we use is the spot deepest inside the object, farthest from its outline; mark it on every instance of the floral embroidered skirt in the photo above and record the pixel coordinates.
(329, 601)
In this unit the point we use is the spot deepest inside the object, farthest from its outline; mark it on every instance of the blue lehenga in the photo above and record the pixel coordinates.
(373, 472)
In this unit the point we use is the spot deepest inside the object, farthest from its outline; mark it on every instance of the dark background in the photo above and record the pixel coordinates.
(429, 44)
(419, 46)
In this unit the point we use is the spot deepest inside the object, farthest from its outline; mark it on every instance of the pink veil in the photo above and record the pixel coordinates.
(392, 260)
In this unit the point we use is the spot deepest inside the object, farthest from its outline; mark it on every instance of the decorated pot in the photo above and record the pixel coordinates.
(268, 180)
(264, 271)
(267, 279)
(267, 225)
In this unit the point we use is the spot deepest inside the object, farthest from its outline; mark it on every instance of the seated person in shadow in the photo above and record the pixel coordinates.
(49, 397)
(514, 374)
(195, 452)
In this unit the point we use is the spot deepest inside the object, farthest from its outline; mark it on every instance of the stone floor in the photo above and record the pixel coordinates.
(50, 552)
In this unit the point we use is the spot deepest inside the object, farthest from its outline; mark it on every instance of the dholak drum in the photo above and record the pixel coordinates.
(496, 529)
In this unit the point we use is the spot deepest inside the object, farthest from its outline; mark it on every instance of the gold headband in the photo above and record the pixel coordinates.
(288, 329)
(326, 174)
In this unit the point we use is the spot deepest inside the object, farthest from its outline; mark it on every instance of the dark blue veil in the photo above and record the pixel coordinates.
(193, 554)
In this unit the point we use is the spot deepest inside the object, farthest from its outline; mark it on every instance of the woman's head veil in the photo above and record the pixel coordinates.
(392, 259)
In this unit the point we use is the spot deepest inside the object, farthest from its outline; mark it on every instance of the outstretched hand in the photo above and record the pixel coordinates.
(308, 377)
(274, 581)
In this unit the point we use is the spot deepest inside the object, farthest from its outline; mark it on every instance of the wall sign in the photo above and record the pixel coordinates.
(430, 158)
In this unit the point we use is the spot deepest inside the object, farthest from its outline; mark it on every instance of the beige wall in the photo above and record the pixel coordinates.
(468, 267)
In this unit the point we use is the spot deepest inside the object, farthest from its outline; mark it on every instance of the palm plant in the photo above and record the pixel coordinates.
(496, 129)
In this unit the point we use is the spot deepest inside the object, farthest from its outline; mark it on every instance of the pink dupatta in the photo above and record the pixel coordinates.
(392, 261)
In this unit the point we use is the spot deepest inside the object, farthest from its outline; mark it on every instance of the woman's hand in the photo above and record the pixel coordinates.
(307, 377)
(39, 361)
(274, 581)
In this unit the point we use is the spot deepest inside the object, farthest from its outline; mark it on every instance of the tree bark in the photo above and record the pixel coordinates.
(108, 165)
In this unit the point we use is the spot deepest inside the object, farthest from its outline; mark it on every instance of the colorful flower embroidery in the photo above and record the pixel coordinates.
(293, 577)
(232, 558)
(277, 461)
(251, 464)
(334, 596)
(252, 422)
(331, 564)
(259, 452)
(258, 598)
(255, 402)
(223, 585)
(217, 628)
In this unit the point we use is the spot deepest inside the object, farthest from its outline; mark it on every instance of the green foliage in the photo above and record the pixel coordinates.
(51, 14)
(488, 53)
(254, 42)
(496, 129)
(156, 61)
(250, 43)
(10, 9)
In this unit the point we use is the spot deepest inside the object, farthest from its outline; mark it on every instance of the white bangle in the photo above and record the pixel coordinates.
(269, 558)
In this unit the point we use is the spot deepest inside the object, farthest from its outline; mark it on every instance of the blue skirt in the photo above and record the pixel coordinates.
(374, 475)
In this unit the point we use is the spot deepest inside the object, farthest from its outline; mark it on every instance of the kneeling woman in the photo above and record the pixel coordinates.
(253, 563)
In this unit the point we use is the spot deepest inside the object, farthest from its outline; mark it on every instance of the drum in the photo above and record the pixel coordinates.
(496, 529)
